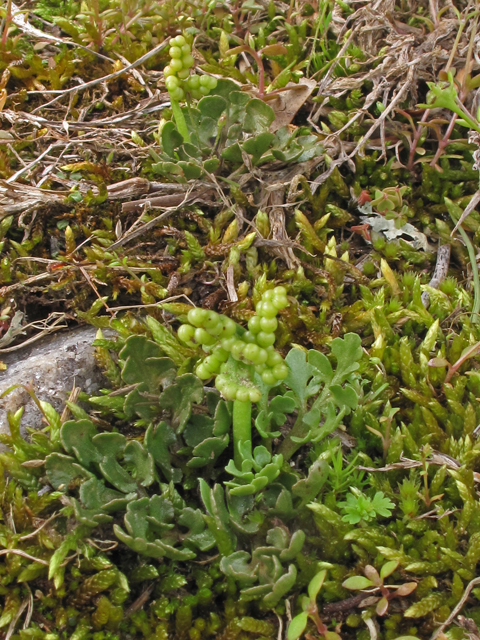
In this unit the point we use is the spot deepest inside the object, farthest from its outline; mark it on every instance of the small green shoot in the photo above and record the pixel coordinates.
(444, 95)
(386, 436)
(358, 507)
(297, 626)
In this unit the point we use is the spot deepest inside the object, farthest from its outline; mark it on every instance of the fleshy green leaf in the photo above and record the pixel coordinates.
(158, 441)
(77, 437)
(316, 584)
(348, 352)
(233, 153)
(145, 365)
(308, 488)
(212, 106)
(344, 396)
(299, 374)
(258, 116)
(62, 469)
(142, 462)
(388, 568)
(297, 626)
(357, 582)
(171, 139)
(179, 398)
(257, 145)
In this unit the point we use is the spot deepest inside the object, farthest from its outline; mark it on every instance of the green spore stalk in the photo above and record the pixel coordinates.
(235, 356)
(179, 81)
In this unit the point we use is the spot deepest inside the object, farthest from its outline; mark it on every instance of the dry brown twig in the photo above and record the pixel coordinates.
(440, 273)
(52, 323)
(189, 198)
(19, 19)
(93, 83)
(16, 618)
(410, 56)
(140, 602)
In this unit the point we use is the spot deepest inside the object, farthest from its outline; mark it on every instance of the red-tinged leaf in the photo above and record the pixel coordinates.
(357, 582)
(331, 635)
(382, 607)
(405, 589)
(274, 50)
(236, 50)
(372, 574)
(363, 198)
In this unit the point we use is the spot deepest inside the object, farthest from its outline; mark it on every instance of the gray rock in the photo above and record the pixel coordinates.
(52, 366)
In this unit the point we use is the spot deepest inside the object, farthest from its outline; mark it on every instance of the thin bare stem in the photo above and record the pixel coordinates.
(416, 138)
(455, 367)
(6, 25)
(18, 552)
(444, 141)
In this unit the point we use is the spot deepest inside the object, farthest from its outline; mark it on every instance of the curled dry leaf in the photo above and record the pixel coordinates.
(287, 103)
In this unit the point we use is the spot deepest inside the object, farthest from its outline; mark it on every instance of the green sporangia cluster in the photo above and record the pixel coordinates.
(216, 334)
(177, 73)
(178, 79)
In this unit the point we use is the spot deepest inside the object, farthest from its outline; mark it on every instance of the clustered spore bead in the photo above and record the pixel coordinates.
(218, 336)
(263, 327)
(207, 328)
(177, 74)
(234, 391)
(200, 86)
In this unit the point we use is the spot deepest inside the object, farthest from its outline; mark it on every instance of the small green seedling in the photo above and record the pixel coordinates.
(389, 202)
(387, 419)
(358, 506)
(425, 455)
(298, 624)
(374, 582)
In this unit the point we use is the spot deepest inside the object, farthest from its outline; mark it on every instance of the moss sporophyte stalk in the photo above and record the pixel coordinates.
(242, 361)
(179, 82)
